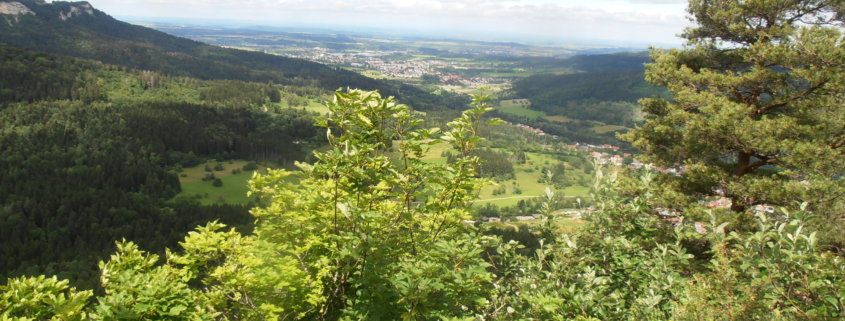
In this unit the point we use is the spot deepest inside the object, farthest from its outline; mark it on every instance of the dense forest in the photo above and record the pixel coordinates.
(624, 61)
(87, 151)
(606, 96)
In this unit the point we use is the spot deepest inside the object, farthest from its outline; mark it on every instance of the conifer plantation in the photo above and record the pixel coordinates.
(355, 223)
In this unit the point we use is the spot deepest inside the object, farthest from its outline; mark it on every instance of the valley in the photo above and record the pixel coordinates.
(351, 168)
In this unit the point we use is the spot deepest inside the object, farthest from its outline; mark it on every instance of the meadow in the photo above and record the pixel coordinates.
(519, 107)
(314, 106)
(526, 179)
(608, 128)
(234, 187)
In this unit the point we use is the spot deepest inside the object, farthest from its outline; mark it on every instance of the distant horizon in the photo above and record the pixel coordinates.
(614, 23)
(537, 40)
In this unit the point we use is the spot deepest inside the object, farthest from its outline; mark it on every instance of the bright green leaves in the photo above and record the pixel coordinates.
(779, 270)
(369, 222)
(136, 289)
(449, 280)
(41, 298)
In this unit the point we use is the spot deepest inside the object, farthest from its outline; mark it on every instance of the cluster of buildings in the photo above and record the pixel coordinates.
(605, 158)
(496, 51)
(602, 156)
(413, 68)
(329, 56)
(515, 218)
(402, 69)
(535, 130)
(616, 160)
(471, 81)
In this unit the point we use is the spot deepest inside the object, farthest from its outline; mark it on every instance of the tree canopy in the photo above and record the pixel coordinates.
(757, 104)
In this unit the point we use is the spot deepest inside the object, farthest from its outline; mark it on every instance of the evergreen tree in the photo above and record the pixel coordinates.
(757, 112)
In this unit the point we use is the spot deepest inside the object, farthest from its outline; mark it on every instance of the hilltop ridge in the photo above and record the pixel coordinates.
(77, 29)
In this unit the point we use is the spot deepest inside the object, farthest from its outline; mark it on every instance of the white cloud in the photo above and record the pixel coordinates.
(642, 20)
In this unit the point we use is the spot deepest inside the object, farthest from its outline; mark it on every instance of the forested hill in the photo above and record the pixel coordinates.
(601, 86)
(605, 96)
(623, 61)
(89, 154)
(79, 30)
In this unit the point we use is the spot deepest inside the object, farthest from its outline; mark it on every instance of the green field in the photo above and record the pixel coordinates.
(507, 106)
(234, 187)
(515, 103)
(434, 152)
(490, 89)
(562, 119)
(563, 224)
(526, 180)
(233, 190)
(608, 128)
(505, 74)
(576, 191)
(316, 106)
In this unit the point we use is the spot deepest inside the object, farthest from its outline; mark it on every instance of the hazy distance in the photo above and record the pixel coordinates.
(626, 23)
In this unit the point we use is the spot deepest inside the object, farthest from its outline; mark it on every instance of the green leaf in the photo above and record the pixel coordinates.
(176, 310)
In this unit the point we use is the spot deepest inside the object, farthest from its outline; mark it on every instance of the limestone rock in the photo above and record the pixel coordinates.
(14, 8)
(77, 11)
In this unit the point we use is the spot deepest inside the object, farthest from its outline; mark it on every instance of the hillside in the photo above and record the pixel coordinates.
(626, 61)
(90, 154)
(77, 29)
(605, 96)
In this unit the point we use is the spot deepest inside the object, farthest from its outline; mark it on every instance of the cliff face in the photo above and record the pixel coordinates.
(77, 10)
(14, 8)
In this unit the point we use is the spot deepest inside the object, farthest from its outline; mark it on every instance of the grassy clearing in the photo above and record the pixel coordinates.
(313, 105)
(234, 185)
(436, 150)
(562, 119)
(490, 89)
(195, 174)
(505, 74)
(576, 191)
(608, 128)
(564, 225)
(515, 102)
(521, 111)
(316, 107)
(503, 202)
(526, 179)
(233, 191)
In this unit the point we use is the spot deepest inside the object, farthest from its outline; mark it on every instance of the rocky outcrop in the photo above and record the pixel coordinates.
(14, 8)
(77, 11)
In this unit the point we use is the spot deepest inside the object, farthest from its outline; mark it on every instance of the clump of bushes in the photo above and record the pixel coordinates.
(251, 166)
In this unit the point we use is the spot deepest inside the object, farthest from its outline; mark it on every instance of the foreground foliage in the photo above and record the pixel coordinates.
(367, 237)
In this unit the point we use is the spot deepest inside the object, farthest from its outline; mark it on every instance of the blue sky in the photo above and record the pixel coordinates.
(654, 22)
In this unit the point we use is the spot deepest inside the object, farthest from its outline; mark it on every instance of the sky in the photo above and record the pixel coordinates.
(644, 22)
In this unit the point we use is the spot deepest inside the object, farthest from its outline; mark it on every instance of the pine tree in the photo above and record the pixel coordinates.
(757, 113)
